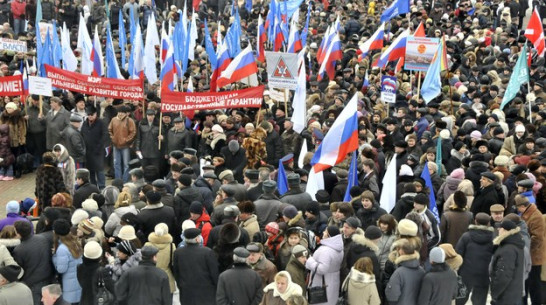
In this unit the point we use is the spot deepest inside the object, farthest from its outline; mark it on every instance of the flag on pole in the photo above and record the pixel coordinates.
(398, 7)
(165, 42)
(56, 49)
(299, 116)
(341, 139)
(137, 55)
(260, 40)
(282, 180)
(520, 76)
(46, 57)
(365, 83)
(70, 62)
(305, 30)
(353, 178)
(239, 69)
(193, 37)
(168, 72)
(38, 13)
(294, 40)
(387, 201)
(375, 42)
(432, 84)
(152, 39)
(333, 54)
(420, 30)
(432, 205)
(96, 55)
(112, 68)
(303, 152)
(535, 33)
(315, 182)
(86, 46)
(396, 50)
(209, 47)
(122, 39)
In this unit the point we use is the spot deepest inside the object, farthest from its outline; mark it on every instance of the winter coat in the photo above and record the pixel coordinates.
(537, 229)
(152, 214)
(266, 269)
(384, 248)
(145, 284)
(449, 187)
(88, 277)
(182, 201)
(113, 225)
(369, 217)
(439, 286)
(18, 8)
(455, 160)
(48, 10)
(338, 193)
(506, 268)
(49, 181)
(369, 182)
(250, 225)
(361, 247)
(17, 127)
(405, 283)
(203, 224)
(11, 218)
(468, 189)
(285, 253)
(298, 273)
(273, 297)
(476, 248)
(94, 137)
(74, 143)
(122, 132)
(83, 192)
(318, 225)
(361, 288)
(239, 285)
(118, 267)
(178, 139)
(485, 198)
(403, 206)
(473, 173)
(297, 197)
(66, 265)
(68, 169)
(274, 148)
(147, 139)
(164, 243)
(34, 256)
(268, 208)
(453, 224)
(327, 261)
(236, 162)
(5, 148)
(55, 124)
(195, 269)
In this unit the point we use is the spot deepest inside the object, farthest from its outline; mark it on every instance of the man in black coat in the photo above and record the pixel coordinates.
(439, 285)
(507, 265)
(30, 255)
(73, 140)
(486, 196)
(185, 196)
(239, 285)
(94, 134)
(155, 212)
(147, 140)
(144, 284)
(84, 188)
(195, 270)
(235, 159)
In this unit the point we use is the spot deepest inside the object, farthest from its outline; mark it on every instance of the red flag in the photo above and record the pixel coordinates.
(420, 30)
(326, 4)
(534, 32)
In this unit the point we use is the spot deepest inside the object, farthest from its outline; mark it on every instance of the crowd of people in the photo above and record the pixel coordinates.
(196, 212)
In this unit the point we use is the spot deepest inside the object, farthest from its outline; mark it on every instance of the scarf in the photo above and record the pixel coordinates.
(291, 288)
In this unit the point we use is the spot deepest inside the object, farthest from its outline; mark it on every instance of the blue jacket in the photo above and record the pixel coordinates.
(421, 127)
(66, 265)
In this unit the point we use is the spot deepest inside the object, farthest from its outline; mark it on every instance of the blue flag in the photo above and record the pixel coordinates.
(305, 30)
(520, 76)
(248, 5)
(112, 69)
(233, 36)
(353, 178)
(282, 181)
(39, 46)
(270, 21)
(432, 205)
(398, 7)
(439, 155)
(132, 33)
(210, 48)
(432, 84)
(122, 39)
(38, 12)
(46, 56)
(56, 47)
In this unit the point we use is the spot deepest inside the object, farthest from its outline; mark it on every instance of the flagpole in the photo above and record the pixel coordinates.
(529, 89)
(160, 118)
(40, 104)
(418, 84)
(286, 102)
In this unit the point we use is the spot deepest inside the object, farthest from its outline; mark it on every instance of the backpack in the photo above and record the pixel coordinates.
(103, 296)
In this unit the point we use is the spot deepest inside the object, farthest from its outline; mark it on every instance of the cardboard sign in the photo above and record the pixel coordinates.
(40, 86)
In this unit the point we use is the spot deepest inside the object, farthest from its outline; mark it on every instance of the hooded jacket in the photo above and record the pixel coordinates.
(476, 248)
(164, 243)
(506, 268)
(361, 247)
(439, 286)
(67, 167)
(361, 288)
(405, 283)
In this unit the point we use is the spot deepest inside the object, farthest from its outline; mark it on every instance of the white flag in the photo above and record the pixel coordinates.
(302, 153)
(193, 37)
(299, 102)
(86, 47)
(388, 193)
(70, 62)
(315, 182)
(98, 49)
(152, 39)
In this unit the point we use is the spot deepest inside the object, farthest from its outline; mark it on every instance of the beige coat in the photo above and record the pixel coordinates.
(164, 256)
(251, 226)
(361, 288)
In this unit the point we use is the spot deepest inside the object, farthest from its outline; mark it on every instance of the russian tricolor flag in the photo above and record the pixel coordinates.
(375, 42)
(164, 43)
(329, 64)
(168, 72)
(223, 61)
(341, 139)
(279, 36)
(260, 39)
(242, 66)
(396, 50)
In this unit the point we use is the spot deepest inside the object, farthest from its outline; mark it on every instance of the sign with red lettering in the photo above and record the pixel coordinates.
(181, 101)
(11, 85)
(130, 89)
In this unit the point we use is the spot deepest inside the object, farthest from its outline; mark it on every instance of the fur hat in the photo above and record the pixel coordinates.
(78, 216)
(61, 227)
(90, 205)
(457, 174)
(502, 160)
(86, 226)
(97, 222)
(161, 229)
(187, 224)
(290, 211)
(421, 199)
(373, 233)
(230, 233)
(407, 227)
(92, 250)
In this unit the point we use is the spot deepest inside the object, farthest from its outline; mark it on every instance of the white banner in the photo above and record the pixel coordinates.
(13, 45)
(39, 85)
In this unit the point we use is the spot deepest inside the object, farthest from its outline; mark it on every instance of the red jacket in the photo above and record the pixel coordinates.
(18, 8)
(203, 223)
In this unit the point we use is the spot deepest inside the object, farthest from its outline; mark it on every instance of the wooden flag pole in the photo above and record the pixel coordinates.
(418, 84)
(40, 99)
(160, 119)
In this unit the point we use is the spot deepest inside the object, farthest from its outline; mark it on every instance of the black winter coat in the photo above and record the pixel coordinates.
(146, 141)
(183, 200)
(34, 256)
(151, 215)
(74, 143)
(484, 199)
(473, 173)
(178, 140)
(361, 247)
(195, 269)
(507, 265)
(370, 217)
(439, 286)
(236, 162)
(274, 148)
(94, 136)
(239, 285)
(476, 248)
(403, 206)
(88, 277)
(82, 193)
(143, 285)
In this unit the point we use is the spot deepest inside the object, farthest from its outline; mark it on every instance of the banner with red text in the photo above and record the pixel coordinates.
(181, 101)
(11, 85)
(130, 89)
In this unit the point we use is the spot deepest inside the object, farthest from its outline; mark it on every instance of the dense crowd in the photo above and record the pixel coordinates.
(196, 210)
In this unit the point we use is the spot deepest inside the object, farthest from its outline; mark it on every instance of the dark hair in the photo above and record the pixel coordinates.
(364, 264)
(246, 206)
(389, 220)
(23, 228)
